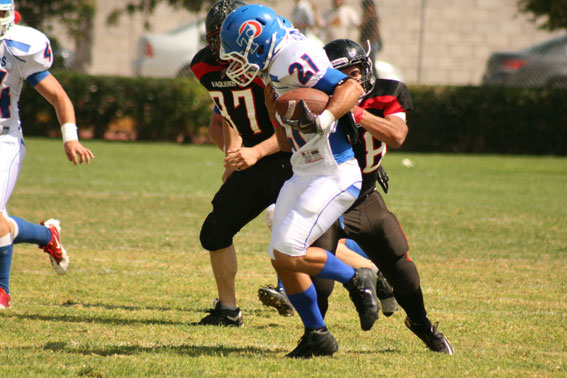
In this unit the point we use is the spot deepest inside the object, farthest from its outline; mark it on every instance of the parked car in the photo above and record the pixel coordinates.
(169, 54)
(541, 65)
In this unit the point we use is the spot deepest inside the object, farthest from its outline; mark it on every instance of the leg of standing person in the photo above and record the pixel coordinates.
(243, 196)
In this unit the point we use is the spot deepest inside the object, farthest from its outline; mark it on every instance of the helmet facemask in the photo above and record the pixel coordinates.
(240, 69)
(7, 19)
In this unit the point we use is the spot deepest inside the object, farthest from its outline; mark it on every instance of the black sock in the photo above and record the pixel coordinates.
(414, 307)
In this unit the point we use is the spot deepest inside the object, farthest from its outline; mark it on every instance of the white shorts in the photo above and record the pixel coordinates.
(308, 205)
(12, 153)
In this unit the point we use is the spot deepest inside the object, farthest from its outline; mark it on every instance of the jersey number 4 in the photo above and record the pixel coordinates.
(5, 99)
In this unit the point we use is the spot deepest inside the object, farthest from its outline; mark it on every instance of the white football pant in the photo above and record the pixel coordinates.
(308, 205)
(12, 153)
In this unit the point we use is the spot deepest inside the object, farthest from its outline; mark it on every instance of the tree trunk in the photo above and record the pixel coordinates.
(83, 46)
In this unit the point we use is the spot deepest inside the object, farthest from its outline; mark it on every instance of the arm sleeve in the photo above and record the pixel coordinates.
(39, 60)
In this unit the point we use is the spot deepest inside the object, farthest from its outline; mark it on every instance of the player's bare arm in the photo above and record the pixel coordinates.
(344, 98)
(245, 157)
(215, 130)
(54, 93)
(283, 141)
(345, 94)
(232, 142)
(270, 101)
(391, 130)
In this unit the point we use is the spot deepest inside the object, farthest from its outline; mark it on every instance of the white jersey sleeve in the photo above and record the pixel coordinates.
(25, 55)
(32, 47)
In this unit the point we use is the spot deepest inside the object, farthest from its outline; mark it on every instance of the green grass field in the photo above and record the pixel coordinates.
(488, 235)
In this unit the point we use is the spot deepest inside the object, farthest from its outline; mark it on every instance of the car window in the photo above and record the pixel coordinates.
(557, 46)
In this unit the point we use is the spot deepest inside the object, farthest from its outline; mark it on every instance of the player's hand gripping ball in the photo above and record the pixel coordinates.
(300, 107)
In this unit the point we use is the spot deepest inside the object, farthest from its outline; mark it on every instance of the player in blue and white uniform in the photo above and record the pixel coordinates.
(25, 55)
(326, 177)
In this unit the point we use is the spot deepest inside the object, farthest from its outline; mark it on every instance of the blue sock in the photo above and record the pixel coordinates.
(6, 252)
(306, 305)
(335, 269)
(280, 283)
(31, 233)
(353, 246)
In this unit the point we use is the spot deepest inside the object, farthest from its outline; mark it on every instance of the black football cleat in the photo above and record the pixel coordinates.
(362, 291)
(222, 317)
(434, 339)
(313, 343)
(385, 294)
(277, 298)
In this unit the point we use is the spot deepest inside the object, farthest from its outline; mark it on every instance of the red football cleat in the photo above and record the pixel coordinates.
(55, 250)
(4, 299)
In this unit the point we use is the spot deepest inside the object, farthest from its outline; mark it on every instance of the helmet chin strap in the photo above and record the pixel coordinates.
(271, 51)
(248, 47)
(368, 50)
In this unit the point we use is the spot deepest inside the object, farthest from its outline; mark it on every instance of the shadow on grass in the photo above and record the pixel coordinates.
(185, 349)
(192, 350)
(96, 320)
(121, 307)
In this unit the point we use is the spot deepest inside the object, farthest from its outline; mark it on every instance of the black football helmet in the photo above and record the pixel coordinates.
(345, 53)
(213, 22)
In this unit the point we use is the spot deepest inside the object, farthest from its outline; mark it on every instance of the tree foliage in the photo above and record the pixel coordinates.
(148, 6)
(551, 13)
(71, 13)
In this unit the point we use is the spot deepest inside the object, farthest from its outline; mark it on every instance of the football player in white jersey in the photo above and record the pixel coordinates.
(326, 178)
(25, 55)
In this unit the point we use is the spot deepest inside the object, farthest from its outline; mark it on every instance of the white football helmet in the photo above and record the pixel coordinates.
(6, 19)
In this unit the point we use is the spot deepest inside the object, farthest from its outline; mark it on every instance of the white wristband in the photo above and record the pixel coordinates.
(324, 120)
(69, 132)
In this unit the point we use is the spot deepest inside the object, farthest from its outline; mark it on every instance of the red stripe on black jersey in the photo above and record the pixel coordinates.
(259, 82)
(388, 104)
(202, 68)
(390, 96)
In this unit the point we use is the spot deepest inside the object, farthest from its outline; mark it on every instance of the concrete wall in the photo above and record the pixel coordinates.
(456, 36)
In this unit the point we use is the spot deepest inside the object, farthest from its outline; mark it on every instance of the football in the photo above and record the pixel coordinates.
(288, 103)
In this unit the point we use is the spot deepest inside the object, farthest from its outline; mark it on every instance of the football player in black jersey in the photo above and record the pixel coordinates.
(381, 115)
(255, 167)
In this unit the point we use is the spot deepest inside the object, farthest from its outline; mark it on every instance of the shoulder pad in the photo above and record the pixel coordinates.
(25, 41)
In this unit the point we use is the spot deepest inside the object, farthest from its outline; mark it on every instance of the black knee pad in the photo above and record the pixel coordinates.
(214, 235)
